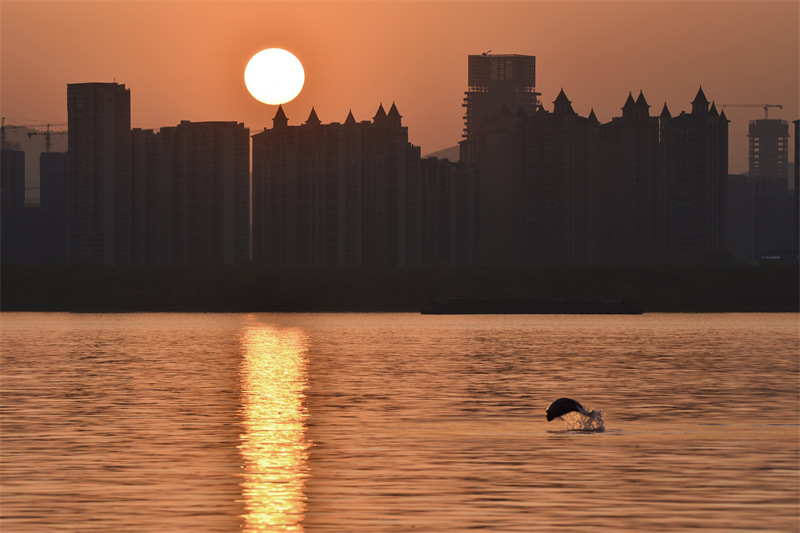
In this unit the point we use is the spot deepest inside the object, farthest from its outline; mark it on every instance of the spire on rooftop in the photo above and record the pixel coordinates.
(562, 104)
(640, 101)
(279, 120)
(380, 116)
(700, 102)
(313, 119)
(393, 118)
(630, 102)
(629, 109)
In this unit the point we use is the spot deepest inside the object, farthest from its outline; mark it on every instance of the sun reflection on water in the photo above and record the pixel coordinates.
(273, 444)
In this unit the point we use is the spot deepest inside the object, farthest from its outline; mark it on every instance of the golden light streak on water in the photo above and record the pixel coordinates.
(274, 445)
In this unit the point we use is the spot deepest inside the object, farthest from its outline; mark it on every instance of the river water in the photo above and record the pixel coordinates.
(398, 422)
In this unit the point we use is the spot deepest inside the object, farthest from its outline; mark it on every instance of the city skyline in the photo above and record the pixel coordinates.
(129, 199)
(741, 52)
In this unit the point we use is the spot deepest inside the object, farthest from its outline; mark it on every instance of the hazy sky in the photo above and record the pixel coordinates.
(185, 60)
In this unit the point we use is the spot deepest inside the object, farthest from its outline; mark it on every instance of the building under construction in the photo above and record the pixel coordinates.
(769, 148)
(495, 82)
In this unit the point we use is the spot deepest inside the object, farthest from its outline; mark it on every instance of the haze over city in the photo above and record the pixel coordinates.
(185, 60)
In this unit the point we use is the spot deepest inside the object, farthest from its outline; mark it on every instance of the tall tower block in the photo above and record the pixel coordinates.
(496, 82)
(99, 179)
(769, 148)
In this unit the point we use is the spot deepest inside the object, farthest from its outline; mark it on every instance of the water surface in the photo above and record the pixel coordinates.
(398, 422)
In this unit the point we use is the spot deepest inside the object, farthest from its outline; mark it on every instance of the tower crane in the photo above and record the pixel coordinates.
(765, 106)
(46, 138)
(46, 133)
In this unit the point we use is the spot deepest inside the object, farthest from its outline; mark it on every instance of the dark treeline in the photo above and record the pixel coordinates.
(249, 287)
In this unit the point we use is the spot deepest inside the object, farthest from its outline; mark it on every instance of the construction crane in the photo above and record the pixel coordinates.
(46, 138)
(46, 133)
(765, 106)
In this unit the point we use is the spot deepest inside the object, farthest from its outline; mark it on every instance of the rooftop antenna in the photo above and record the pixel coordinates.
(487, 53)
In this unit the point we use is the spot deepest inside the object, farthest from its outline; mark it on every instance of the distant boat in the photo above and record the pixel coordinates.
(530, 306)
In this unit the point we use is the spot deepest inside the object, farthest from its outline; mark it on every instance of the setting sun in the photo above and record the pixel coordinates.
(274, 76)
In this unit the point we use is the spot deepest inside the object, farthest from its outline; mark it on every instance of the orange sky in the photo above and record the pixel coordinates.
(184, 60)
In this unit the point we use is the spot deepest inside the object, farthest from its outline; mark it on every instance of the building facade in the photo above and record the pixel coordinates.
(99, 148)
(695, 157)
(14, 232)
(150, 199)
(34, 234)
(499, 83)
(552, 163)
(768, 148)
(627, 223)
(198, 209)
(558, 188)
(339, 194)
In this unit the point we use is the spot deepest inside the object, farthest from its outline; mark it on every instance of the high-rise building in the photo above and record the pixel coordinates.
(496, 83)
(52, 214)
(532, 175)
(33, 234)
(628, 215)
(761, 221)
(695, 158)
(99, 148)
(198, 209)
(33, 140)
(150, 199)
(796, 239)
(448, 214)
(769, 148)
(14, 232)
(774, 219)
(551, 162)
(336, 194)
(558, 188)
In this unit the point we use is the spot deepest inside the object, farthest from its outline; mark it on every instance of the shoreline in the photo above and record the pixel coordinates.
(255, 288)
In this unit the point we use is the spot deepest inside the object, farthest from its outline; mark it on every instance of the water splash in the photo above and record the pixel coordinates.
(593, 422)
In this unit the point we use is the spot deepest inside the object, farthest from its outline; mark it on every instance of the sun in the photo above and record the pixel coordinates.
(274, 76)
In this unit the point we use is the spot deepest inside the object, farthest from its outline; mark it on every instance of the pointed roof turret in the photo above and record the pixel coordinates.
(350, 120)
(700, 102)
(665, 112)
(642, 110)
(592, 117)
(722, 116)
(630, 105)
(313, 119)
(562, 104)
(629, 102)
(713, 111)
(380, 115)
(640, 101)
(279, 120)
(393, 118)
